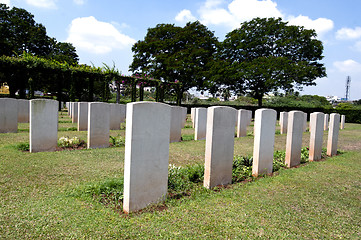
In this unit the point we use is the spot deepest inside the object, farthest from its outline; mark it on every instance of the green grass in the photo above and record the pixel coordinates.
(38, 195)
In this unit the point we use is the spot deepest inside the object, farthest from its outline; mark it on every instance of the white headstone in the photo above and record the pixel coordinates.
(83, 116)
(316, 135)
(242, 122)
(294, 138)
(98, 125)
(305, 122)
(193, 113)
(70, 109)
(8, 115)
(43, 125)
(146, 154)
(283, 122)
(200, 123)
(74, 112)
(325, 126)
(23, 111)
(176, 124)
(123, 111)
(115, 116)
(184, 116)
(265, 126)
(343, 117)
(219, 146)
(333, 134)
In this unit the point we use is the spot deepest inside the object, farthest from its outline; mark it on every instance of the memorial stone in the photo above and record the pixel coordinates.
(74, 112)
(98, 125)
(333, 134)
(343, 117)
(146, 154)
(294, 138)
(8, 115)
(43, 125)
(283, 122)
(265, 127)
(200, 123)
(316, 135)
(219, 146)
(83, 116)
(23, 111)
(176, 124)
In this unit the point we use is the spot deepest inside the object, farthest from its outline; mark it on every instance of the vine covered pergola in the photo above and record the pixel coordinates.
(69, 82)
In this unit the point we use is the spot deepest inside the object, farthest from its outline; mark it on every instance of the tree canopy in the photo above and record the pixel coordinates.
(20, 33)
(175, 54)
(266, 54)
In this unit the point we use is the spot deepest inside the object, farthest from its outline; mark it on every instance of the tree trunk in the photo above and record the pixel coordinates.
(117, 83)
(259, 98)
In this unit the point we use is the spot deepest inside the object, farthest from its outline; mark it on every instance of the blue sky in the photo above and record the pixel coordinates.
(104, 31)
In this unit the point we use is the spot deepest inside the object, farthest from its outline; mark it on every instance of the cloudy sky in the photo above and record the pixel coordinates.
(104, 31)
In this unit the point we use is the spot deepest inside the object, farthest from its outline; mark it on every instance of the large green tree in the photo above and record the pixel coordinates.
(267, 54)
(20, 33)
(174, 53)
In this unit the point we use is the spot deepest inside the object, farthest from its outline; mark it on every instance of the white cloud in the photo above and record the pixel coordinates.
(218, 12)
(348, 66)
(42, 3)
(7, 2)
(79, 2)
(98, 37)
(185, 16)
(348, 33)
(321, 25)
(245, 10)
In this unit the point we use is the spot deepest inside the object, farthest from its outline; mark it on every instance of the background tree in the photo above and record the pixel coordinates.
(20, 33)
(21, 36)
(266, 54)
(173, 53)
(63, 52)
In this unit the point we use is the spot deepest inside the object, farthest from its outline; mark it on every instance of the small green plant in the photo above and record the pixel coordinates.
(188, 137)
(118, 141)
(182, 179)
(25, 147)
(108, 192)
(74, 142)
(242, 168)
(305, 154)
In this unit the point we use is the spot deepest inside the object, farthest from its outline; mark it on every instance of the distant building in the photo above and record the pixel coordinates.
(333, 99)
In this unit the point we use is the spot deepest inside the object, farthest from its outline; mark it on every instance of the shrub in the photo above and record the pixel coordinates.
(25, 147)
(118, 141)
(74, 142)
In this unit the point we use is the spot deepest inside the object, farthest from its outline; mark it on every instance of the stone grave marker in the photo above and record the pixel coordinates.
(43, 125)
(316, 135)
(98, 125)
(219, 146)
(8, 115)
(294, 138)
(264, 137)
(200, 123)
(333, 131)
(146, 154)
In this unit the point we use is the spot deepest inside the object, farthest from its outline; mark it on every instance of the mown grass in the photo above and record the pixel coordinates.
(318, 200)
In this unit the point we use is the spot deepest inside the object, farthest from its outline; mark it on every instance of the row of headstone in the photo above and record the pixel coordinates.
(78, 111)
(283, 122)
(146, 154)
(12, 112)
(199, 119)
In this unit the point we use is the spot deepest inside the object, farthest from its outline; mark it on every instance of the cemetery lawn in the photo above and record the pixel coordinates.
(319, 200)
